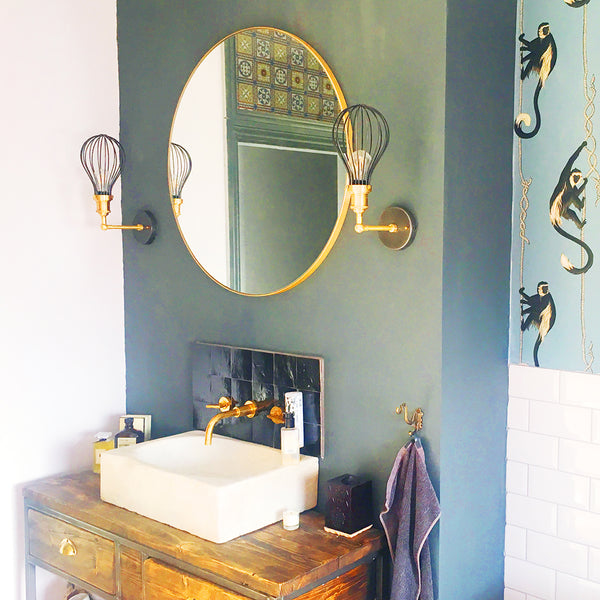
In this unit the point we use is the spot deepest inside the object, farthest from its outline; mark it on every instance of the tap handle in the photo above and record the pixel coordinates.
(225, 403)
(276, 415)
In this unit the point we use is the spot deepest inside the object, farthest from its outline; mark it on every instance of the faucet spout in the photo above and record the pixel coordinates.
(249, 409)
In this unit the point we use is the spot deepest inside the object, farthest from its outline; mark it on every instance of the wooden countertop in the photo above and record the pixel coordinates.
(271, 560)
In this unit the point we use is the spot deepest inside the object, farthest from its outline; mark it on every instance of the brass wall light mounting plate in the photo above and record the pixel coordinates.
(397, 240)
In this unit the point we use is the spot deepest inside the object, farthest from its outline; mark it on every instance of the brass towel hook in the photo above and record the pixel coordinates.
(416, 420)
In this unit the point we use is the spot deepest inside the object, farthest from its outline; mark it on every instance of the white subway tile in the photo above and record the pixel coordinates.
(579, 389)
(533, 383)
(531, 579)
(596, 426)
(518, 413)
(579, 457)
(594, 572)
(516, 477)
(563, 421)
(532, 448)
(573, 588)
(552, 537)
(595, 495)
(557, 554)
(559, 487)
(579, 526)
(515, 542)
(530, 513)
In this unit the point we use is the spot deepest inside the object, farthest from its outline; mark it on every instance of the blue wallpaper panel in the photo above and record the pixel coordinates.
(556, 217)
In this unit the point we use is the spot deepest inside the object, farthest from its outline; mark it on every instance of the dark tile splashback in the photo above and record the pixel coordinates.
(247, 374)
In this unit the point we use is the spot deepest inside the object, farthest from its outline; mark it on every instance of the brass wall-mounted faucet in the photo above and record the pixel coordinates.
(228, 409)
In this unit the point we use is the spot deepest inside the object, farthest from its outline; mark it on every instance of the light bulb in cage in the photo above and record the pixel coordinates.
(361, 135)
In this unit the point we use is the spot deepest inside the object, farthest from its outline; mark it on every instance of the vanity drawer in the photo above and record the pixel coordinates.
(72, 550)
(162, 582)
(353, 585)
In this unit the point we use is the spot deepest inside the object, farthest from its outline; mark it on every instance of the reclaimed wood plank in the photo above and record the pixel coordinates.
(131, 574)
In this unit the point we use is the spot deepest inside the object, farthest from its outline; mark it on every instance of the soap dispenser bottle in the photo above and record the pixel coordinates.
(290, 446)
(128, 436)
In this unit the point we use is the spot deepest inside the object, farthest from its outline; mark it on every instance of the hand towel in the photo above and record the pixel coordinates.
(411, 510)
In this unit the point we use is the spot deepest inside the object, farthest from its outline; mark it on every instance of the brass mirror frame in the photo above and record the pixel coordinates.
(345, 203)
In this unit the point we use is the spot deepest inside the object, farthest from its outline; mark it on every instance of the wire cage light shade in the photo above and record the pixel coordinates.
(102, 157)
(361, 134)
(180, 167)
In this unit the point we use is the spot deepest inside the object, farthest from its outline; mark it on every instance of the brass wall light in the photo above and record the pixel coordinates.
(180, 167)
(361, 135)
(103, 157)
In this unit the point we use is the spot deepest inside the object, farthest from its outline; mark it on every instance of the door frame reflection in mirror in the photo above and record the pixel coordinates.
(305, 135)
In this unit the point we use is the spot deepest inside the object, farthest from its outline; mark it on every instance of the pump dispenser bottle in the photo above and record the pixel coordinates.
(290, 447)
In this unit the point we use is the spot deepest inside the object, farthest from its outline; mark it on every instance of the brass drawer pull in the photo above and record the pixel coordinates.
(67, 548)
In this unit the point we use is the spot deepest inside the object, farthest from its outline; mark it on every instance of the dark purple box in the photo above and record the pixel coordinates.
(349, 504)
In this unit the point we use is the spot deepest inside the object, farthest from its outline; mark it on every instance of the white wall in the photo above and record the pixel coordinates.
(61, 301)
(553, 486)
(200, 127)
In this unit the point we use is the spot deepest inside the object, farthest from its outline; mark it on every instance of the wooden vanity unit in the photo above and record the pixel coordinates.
(117, 554)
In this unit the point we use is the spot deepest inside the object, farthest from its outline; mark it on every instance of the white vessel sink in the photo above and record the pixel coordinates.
(216, 492)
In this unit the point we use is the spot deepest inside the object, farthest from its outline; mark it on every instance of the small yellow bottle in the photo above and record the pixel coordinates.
(102, 444)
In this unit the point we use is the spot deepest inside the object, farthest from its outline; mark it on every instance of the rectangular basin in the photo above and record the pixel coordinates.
(216, 492)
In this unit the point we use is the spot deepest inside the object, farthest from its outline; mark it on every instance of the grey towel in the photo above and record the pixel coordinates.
(411, 510)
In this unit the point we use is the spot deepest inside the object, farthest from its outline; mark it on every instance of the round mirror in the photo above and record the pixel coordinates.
(263, 202)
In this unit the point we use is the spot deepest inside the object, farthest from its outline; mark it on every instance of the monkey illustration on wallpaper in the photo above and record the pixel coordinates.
(540, 57)
(540, 312)
(576, 3)
(566, 195)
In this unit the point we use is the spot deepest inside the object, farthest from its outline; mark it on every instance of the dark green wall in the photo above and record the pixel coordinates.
(476, 264)
(427, 326)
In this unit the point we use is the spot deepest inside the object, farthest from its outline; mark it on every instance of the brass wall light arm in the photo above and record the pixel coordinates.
(359, 202)
(103, 209)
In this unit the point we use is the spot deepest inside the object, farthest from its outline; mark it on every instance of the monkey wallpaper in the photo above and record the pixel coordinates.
(555, 314)
(538, 56)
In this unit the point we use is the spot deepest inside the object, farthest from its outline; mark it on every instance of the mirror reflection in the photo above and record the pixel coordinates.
(263, 202)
